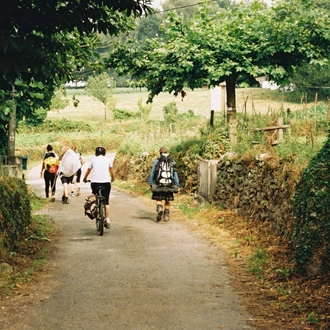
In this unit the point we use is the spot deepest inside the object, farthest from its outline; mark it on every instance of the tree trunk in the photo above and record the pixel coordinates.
(231, 109)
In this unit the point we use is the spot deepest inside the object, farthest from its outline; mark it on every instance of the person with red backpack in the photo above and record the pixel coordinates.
(164, 182)
(48, 171)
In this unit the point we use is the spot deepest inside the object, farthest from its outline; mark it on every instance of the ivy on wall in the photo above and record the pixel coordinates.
(311, 206)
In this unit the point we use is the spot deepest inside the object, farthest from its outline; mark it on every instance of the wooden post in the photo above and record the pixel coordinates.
(280, 130)
(212, 118)
(288, 113)
(12, 126)
(288, 119)
(315, 121)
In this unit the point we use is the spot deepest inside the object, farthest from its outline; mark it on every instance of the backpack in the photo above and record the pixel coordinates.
(164, 178)
(90, 206)
(51, 164)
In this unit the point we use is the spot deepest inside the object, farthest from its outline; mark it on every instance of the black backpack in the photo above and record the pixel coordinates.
(164, 171)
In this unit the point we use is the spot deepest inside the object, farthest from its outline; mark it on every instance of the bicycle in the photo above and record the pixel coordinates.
(100, 210)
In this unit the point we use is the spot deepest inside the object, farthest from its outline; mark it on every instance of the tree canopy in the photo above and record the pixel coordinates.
(42, 44)
(246, 40)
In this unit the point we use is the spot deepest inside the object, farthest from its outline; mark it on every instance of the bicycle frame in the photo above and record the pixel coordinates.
(100, 210)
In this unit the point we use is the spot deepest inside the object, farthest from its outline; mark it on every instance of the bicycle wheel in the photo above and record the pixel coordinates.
(102, 218)
(97, 219)
(97, 223)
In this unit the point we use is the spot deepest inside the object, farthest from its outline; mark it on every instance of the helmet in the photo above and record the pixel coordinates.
(100, 151)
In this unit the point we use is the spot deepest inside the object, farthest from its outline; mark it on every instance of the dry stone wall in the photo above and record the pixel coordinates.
(257, 189)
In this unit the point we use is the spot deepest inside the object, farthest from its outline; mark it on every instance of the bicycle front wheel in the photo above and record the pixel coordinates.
(102, 219)
(97, 223)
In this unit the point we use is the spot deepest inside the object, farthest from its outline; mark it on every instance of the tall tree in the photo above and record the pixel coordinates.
(246, 40)
(99, 87)
(46, 41)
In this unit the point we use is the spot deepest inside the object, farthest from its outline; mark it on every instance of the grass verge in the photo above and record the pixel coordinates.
(19, 267)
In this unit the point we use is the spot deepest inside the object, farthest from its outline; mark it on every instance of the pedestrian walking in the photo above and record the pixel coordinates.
(48, 171)
(69, 165)
(164, 182)
(77, 176)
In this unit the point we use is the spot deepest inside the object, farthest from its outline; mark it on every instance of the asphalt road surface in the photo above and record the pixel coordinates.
(140, 275)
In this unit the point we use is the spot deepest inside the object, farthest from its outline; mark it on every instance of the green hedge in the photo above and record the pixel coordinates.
(311, 238)
(15, 211)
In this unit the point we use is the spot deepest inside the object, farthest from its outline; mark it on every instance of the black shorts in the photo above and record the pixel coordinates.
(66, 179)
(78, 175)
(105, 191)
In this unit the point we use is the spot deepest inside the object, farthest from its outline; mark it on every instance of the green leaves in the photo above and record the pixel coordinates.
(46, 42)
(311, 236)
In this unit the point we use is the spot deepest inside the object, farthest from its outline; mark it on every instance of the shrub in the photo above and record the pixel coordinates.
(15, 211)
(122, 114)
(311, 237)
(63, 125)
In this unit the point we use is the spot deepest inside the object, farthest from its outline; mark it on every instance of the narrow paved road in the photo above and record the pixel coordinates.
(139, 275)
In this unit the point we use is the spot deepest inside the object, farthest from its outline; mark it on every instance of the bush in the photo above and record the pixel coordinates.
(63, 125)
(311, 237)
(15, 211)
(123, 114)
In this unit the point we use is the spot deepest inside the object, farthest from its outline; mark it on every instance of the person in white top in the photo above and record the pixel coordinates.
(102, 174)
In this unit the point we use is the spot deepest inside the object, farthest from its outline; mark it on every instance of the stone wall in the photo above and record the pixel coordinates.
(258, 189)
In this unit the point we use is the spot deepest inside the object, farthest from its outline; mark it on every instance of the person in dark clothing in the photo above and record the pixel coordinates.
(160, 196)
(50, 159)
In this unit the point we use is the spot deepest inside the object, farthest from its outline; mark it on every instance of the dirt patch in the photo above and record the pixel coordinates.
(271, 292)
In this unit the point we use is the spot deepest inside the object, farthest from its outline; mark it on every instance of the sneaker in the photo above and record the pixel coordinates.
(53, 198)
(72, 194)
(65, 200)
(78, 191)
(159, 211)
(107, 224)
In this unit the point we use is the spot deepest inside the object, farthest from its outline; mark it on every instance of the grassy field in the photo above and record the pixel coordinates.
(256, 99)
(136, 135)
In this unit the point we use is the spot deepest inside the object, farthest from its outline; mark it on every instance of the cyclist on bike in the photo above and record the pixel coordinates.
(102, 175)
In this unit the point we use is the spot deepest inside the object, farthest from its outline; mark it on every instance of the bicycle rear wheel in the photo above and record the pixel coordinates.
(102, 218)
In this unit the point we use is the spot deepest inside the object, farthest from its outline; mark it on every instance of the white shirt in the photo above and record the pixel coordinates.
(100, 169)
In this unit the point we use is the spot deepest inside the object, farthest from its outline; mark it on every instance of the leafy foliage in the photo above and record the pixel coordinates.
(59, 101)
(170, 112)
(310, 80)
(35, 55)
(144, 110)
(311, 238)
(62, 125)
(15, 210)
(100, 87)
(122, 114)
(245, 41)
